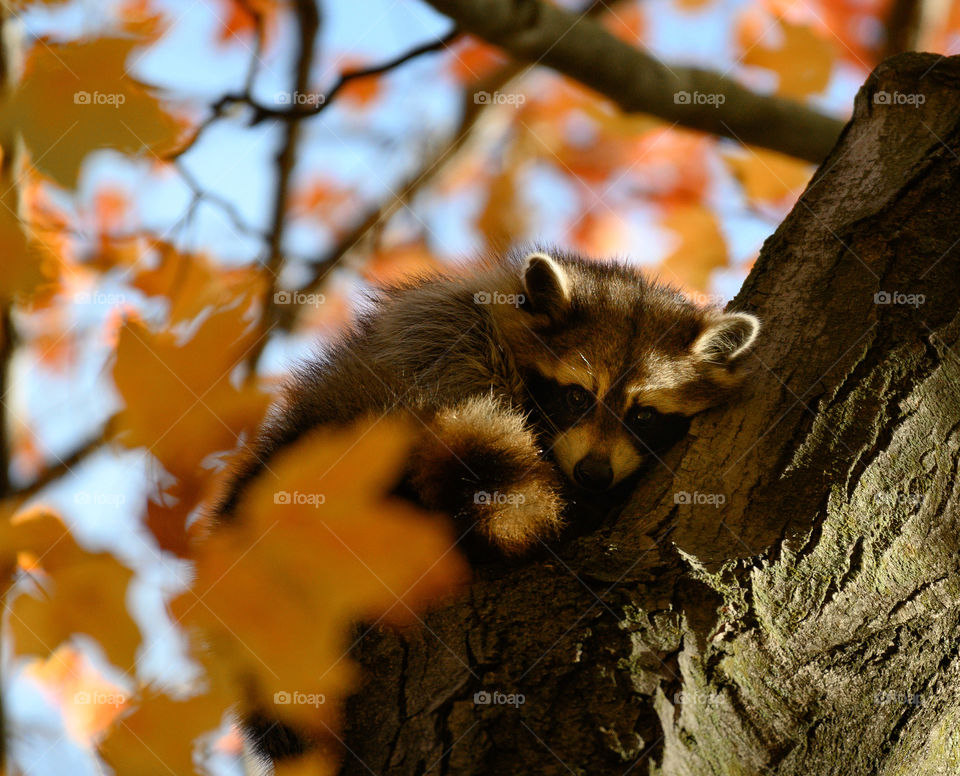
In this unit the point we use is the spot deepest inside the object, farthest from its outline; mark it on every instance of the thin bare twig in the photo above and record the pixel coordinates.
(298, 113)
(377, 216)
(308, 19)
(225, 205)
(65, 464)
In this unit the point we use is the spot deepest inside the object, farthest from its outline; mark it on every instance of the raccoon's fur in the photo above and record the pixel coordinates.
(526, 371)
(526, 367)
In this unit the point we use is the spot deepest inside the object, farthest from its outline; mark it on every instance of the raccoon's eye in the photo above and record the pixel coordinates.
(577, 398)
(641, 417)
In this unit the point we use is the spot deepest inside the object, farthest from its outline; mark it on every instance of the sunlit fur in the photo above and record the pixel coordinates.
(483, 355)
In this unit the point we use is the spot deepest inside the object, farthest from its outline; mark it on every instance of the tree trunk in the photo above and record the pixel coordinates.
(797, 612)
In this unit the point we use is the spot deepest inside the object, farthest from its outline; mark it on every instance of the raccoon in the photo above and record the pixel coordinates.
(533, 376)
(536, 377)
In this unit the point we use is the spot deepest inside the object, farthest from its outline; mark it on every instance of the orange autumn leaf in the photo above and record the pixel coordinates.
(79, 591)
(674, 165)
(768, 177)
(167, 515)
(319, 198)
(627, 23)
(471, 59)
(854, 28)
(176, 515)
(78, 97)
(601, 232)
(801, 58)
(88, 701)
(35, 535)
(156, 737)
(88, 597)
(618, 125)
(503, 218)
(180, 401)
(193, 283)
(126, 251)
(49, 230)
(239, 19)
(592, 162)
(360, 92)
(29, 261)
(141, 19)
(701, 247)
(111, 209)
(274, 578)
(396, 262)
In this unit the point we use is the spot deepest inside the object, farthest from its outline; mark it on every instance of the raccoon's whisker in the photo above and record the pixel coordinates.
(543, 414)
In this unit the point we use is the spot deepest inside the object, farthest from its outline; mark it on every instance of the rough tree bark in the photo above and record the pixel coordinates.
(809, 624)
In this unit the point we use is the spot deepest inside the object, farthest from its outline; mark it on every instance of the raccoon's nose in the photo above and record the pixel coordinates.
(593, 472)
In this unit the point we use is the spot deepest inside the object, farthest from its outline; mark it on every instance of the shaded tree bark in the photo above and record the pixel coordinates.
(809, 623)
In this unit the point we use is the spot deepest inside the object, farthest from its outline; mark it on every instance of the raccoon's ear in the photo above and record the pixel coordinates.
(727, 338)
(546, 284)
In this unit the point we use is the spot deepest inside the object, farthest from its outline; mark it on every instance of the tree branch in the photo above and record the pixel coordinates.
(308, 20)
(902, 27)
(580, 48)
(65, 464)
(263, 112)
(299, 113)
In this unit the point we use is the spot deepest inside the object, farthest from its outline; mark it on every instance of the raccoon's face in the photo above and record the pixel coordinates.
(615, 365)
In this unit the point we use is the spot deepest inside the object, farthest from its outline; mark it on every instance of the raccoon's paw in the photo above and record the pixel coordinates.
(481, 463)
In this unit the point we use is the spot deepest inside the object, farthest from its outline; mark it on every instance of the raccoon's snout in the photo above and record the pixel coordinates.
(593, 472)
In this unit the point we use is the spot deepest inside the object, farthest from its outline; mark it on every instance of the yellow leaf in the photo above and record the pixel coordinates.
(167, 516)
(503, 218)
(27, 260)
(157, 738)
(804, 61)
(38, 536)
(702, 247)
(87, 597)
(78, 97)
(316, 546)
(88, 700)
(768, 177)
(180, 402)
(193, 282)
(80, 592)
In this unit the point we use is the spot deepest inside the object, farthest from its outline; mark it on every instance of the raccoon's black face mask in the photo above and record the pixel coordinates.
(596, 443)
(615, 366)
